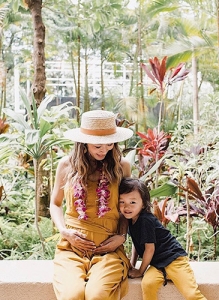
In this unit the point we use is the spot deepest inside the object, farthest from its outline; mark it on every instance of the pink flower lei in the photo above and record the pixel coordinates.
(103, 195)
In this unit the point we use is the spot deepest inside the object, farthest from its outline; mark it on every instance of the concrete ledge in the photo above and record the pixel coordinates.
(32, 280)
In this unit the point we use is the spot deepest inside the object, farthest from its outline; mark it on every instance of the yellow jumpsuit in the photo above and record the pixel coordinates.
(82, 275)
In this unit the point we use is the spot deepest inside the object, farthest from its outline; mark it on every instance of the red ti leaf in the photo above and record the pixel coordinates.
(194, 189)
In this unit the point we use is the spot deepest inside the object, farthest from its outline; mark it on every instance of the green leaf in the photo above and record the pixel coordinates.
(174, 60)
(35, 120)
(32, 136)
(43, 105)
(96, 26)
(5, 153)
(161, 6)
(131, 157)
(167, 189)
(44, 127)
(15, 6)
(116, 6)
(19, 118)
(27, 106)
(153, 169)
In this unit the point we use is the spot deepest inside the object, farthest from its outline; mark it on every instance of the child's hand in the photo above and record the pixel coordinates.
(134, 273)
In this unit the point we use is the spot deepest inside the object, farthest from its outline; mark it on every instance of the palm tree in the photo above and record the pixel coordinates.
(39, 80)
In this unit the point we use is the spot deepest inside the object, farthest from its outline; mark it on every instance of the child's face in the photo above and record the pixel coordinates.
(131, 205)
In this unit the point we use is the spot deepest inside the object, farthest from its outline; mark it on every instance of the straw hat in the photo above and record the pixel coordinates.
(98, 127)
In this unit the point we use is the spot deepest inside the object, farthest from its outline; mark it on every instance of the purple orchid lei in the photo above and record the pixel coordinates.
(103, 194)
(79, 193)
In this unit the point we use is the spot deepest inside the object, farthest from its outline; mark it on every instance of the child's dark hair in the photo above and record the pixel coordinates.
(129, 185)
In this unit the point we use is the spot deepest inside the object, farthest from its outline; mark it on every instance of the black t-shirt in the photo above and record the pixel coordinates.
(148, 229)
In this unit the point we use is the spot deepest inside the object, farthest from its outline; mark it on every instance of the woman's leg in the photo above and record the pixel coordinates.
(151, 282)
(69, 275)
(104, 277)
(182, 275)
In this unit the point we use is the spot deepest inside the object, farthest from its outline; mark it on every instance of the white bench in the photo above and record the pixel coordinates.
(32, 280)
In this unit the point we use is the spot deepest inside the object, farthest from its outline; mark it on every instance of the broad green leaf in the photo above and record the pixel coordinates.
(116, 6)
(161, 6)
(8, 137)
(47, 144)
(19, 118)
(34, 113)
(174, 60)
(27, 106)
(131, 157)
(5, 153)
(32, 136)
(15, 5)
(96, 26)
(153, 169)
(43, 105)
(167, 189)
(44, 127)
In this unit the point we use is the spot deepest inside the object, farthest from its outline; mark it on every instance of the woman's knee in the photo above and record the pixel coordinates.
(69, 292)
(100, 292)
(73, 295)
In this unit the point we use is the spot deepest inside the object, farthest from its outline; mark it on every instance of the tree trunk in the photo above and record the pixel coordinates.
(39, 80)
(39, 88)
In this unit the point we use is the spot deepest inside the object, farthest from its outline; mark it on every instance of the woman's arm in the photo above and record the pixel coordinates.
(74, 237)
(57, 196)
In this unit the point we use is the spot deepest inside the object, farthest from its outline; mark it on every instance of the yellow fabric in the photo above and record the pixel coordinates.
(101, 274)
(179, 272)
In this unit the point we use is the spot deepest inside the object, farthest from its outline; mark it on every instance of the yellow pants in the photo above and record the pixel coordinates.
(179, 272)
(80, 278)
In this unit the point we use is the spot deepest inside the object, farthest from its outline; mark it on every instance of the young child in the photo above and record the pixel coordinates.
(162, 256)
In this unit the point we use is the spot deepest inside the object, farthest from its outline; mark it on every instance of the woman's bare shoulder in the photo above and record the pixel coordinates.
(64, 162)
(126, 167)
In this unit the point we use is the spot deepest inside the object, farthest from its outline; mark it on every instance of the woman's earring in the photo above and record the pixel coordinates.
(85, 149)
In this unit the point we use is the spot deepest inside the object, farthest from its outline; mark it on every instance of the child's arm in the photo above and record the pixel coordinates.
(146, 259)
(134, 256)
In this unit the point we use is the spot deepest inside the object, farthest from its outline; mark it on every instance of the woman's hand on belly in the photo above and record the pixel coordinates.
(109, 245)
(78, 240)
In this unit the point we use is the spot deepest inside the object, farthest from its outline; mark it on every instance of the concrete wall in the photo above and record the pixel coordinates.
(32, 280)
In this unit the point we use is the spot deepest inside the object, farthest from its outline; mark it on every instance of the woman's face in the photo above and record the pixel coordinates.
(99, 151)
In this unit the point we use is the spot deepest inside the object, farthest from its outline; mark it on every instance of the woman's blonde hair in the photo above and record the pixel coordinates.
(80, 165)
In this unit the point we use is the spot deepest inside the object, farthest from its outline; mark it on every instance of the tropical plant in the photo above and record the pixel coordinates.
(155, 145)
(162, 78)
(36, 137)
(205, 205)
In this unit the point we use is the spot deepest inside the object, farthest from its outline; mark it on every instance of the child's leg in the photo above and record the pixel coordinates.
(151, 282)
(182, 275)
